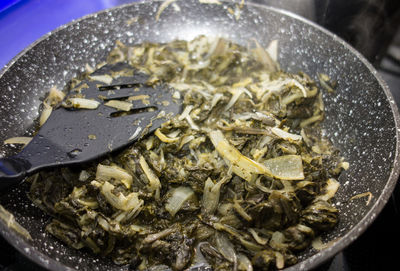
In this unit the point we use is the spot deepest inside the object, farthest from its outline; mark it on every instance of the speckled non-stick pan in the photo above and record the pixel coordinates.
(361, 119)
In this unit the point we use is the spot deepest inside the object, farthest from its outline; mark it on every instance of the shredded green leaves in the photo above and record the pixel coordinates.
(242, 179)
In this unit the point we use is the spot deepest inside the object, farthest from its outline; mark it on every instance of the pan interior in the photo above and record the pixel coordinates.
(359, 118)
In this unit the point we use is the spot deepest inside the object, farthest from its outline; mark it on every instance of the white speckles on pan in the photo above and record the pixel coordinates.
(361, 119)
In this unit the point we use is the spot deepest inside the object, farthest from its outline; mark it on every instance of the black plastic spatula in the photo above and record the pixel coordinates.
(73, 136)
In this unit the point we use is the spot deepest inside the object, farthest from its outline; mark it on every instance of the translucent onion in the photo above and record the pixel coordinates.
(237, 92)
(232, 231)
(120, 202)
(244, 264)
(11, 223)
(142, 98)
(210, 2)
(225, 247)
(277, 241)
(186, 139)
(84, 176)
(120, 105)
(81, 103)
(362, 195)
(296, 83)
(179, 196)
(55, 96)
(105, 173)
(291, 98)
(285, 135)
(276, 86)
(239, 209)
(127, 215)
(184, 86)
(331, 188)
(24, 140)
(47, 109)
(286, 167)
(107, 79)
(280, 260)
(211, 196)
(266, 119)
(324, 80)
(186, 115)
(154, 184)
(311, 120)
(241, 165)
(263, 56)
(199, 65)
(163, 6)
(165, 138)
(176, 95)
(156, 236)
(243, 83)
(185, 112)
(136, 133)
(103, 223)
(260, 240)
(198, 257)
(319, 245)
(191, 123)
(215, 99)
(272, 50)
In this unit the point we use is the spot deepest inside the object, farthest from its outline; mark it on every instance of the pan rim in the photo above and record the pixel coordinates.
(370, 216)
(309, 263)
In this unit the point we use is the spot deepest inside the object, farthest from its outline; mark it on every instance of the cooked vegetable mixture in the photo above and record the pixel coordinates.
(242, 179)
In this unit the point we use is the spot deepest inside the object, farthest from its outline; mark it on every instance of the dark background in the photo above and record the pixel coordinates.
(371, 26)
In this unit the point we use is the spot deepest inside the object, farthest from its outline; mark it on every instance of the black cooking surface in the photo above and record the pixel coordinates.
(372, 251)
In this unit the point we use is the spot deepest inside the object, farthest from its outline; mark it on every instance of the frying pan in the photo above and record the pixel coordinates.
(362, 119)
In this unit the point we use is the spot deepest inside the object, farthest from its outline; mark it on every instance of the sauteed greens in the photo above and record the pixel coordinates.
(242, 179)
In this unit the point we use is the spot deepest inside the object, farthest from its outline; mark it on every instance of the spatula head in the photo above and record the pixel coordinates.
(71, 135)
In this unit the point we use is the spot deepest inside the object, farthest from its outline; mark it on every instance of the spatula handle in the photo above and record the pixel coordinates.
(12, 171)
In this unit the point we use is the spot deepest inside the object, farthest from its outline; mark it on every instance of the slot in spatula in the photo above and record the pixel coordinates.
(74, 136)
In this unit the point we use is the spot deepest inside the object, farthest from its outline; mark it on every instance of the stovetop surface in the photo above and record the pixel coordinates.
(372, 251)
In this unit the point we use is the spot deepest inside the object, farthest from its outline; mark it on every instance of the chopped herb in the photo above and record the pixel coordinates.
(241, 179)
